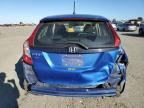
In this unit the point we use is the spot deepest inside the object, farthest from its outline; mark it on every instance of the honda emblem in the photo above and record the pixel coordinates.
(73, 49)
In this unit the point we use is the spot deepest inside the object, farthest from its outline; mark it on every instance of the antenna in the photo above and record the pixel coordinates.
(74, 8)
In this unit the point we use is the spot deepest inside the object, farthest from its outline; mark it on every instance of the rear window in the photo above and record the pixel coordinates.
(93, 34)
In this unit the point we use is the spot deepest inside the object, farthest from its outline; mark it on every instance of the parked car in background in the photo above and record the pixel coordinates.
(114, 26)
(78, 28)
(84, 61)
(141, 29)
(126, 27)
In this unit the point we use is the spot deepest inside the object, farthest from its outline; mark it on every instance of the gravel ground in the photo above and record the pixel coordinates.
(13, 96)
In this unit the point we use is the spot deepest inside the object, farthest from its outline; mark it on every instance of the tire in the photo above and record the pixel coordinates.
(25, 85)
(120, 89)
(141, 32)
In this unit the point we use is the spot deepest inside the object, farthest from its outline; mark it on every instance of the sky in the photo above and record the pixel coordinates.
(31, 11)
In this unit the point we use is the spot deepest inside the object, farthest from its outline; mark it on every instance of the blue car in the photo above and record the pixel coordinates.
(74, 55)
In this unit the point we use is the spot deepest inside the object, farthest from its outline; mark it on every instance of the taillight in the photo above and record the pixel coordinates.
(30, 42)
(117, 40)
(26, 53)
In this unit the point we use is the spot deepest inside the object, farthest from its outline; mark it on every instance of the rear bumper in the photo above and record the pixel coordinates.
(131, 29)
(77, 92)
(37, 87)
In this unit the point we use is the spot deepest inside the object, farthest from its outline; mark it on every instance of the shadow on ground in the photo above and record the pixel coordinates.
(9, 92)
(132, 35)
(19, 71)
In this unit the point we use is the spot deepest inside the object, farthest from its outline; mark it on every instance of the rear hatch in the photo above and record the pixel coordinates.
(73, 58)
(76, 70)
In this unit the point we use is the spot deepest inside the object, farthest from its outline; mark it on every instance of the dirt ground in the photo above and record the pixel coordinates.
(13, 96)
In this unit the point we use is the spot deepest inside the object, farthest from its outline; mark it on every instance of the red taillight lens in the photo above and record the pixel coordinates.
(30, 42)
(116, 37)
(26, 53)
(117, 41)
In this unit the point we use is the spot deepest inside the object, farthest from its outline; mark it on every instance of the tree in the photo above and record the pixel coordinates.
(114, 21)
(140, 18)
(21, 23)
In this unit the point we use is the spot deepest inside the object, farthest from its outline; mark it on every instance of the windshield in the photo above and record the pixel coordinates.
(88, 34)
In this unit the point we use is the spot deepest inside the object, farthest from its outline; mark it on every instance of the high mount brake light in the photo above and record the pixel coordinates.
(26, 53)
(117, 40)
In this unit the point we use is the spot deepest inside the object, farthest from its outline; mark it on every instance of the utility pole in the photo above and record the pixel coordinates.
(74, 8)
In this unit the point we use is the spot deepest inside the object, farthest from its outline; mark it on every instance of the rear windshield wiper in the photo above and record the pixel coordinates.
(77, 43)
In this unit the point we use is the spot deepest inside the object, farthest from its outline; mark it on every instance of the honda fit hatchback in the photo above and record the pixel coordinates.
(74, 55)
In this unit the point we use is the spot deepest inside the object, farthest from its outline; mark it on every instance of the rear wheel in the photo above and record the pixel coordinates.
(120, 89)
(25, 84)
(141, 32)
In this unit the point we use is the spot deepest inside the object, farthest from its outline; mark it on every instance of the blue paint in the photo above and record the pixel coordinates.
(95, 70)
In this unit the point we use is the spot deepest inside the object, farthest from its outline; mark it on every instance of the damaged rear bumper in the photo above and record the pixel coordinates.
(37, 87)
(76, 92)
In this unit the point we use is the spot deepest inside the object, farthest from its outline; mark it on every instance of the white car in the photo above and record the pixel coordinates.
(127, 27)
(114, 26)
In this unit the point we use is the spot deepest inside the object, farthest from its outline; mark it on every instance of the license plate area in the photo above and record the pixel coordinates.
(71, 60)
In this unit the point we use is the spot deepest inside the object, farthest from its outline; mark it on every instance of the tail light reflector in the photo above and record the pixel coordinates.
(26, 53)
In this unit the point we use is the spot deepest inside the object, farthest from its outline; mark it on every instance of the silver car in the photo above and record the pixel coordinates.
(127, 27)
